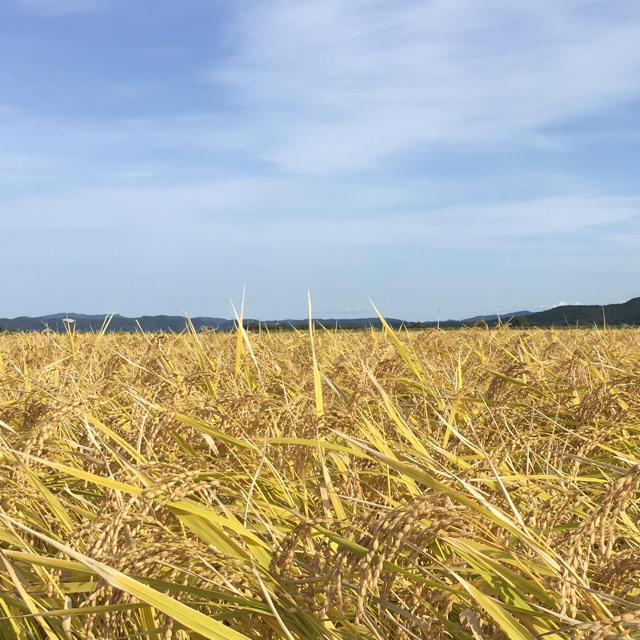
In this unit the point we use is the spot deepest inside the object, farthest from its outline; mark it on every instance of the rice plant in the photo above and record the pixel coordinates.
(325, 485)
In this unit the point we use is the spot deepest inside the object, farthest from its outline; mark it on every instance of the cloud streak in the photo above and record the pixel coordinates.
(308, 217)
(349, 85)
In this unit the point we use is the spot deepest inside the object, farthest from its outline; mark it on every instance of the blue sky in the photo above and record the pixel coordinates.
(441, 157)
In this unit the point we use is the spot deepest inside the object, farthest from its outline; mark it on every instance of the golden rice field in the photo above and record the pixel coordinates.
(480, 483)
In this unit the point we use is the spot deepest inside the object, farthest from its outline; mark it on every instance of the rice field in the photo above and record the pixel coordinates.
(479, 483)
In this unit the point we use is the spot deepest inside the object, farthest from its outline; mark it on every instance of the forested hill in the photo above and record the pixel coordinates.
(613, 314)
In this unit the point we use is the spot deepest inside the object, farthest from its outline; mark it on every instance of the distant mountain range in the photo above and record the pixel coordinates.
(583, 314)
(627, 313)
(495, 317)
(83, 322)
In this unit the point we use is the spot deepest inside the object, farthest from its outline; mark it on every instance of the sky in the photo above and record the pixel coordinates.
(443, 158)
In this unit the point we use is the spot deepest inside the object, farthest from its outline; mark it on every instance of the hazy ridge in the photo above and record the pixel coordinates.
(627, 313)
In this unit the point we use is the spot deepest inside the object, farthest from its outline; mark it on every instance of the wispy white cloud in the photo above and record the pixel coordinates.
(260, 212)
(327, 87)
(347, 85)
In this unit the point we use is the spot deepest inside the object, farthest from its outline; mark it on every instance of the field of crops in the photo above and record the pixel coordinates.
(480, 483)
